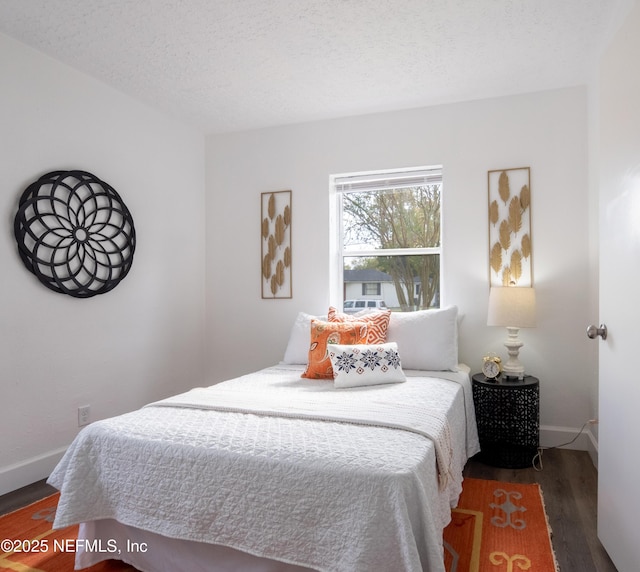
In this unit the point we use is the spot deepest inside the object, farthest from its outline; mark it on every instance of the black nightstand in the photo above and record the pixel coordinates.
(508, 418)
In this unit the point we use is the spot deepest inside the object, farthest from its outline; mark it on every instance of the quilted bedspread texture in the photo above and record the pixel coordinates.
(333, 495)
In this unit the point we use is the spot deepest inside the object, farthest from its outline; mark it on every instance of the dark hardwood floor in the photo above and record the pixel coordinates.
(569, 485)
(24, 496)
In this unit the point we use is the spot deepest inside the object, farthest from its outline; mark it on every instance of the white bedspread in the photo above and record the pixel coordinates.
(266, 394)
(350, 494)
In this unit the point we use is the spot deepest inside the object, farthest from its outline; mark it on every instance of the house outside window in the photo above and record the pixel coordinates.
(387, 239)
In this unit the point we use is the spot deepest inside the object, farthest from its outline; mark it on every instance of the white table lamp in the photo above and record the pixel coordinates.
(514, 308)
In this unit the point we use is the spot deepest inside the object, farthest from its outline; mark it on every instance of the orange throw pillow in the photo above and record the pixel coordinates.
(378, 323)
(323, 333)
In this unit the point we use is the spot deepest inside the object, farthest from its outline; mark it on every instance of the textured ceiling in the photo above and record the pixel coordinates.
(227, 65)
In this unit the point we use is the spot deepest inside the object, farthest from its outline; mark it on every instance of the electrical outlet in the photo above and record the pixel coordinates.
(83, 415)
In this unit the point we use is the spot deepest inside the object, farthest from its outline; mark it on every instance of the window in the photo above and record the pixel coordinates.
(387, 240)
(371, 289)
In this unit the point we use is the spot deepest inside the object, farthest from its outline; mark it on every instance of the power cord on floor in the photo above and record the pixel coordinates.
(536, 462)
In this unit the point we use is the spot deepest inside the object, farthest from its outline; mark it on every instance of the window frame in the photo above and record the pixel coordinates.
(337, 249)
(377, 286)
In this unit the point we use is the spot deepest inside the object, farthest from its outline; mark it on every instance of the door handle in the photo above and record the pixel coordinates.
(593, 332)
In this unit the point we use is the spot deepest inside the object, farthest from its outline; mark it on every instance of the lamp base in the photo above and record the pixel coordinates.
(512, 368)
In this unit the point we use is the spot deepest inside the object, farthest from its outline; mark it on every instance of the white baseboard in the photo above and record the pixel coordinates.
(26, 472)
(554, 436)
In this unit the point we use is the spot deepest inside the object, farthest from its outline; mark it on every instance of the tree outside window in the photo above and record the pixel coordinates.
(390, 222)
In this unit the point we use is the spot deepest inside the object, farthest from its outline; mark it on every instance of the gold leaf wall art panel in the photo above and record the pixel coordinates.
(271, 206)
(279, 273)
(275, 221)
(266, 266)
(525, 246)
(287, 215)
(271, 247)
(506, 276)
(496, 257)
(503, 187)
(525, 197)
(515, 215)
(494, 212)
(516, 265)
(280, 230)
(509, 214)
(504, 234)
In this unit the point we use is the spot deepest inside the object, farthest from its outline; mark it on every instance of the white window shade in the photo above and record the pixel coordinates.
(382, 180)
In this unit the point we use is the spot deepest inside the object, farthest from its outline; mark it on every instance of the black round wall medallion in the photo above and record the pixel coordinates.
(75, 233)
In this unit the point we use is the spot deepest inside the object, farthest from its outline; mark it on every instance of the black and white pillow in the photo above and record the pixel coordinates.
(357, 365)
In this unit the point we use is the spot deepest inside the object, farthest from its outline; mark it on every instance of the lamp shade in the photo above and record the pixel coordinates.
(512, 306)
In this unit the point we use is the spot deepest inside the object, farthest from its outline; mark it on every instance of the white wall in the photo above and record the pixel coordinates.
(119, 350)
(546, 131)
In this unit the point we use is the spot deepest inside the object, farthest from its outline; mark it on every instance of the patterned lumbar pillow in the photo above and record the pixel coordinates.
(378, 322)
(357, 365)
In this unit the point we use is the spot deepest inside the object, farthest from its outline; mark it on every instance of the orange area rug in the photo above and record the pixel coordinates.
(499, 527)
(28, 543)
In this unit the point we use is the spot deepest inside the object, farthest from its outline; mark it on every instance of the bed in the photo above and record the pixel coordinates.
(274, 471)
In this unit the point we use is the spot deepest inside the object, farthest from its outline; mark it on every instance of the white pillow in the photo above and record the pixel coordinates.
(428, 339)
(357, 365)
(297, 351)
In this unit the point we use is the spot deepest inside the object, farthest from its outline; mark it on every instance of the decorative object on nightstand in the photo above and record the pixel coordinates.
(513, 308)
(491, 366)
(508, 419)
